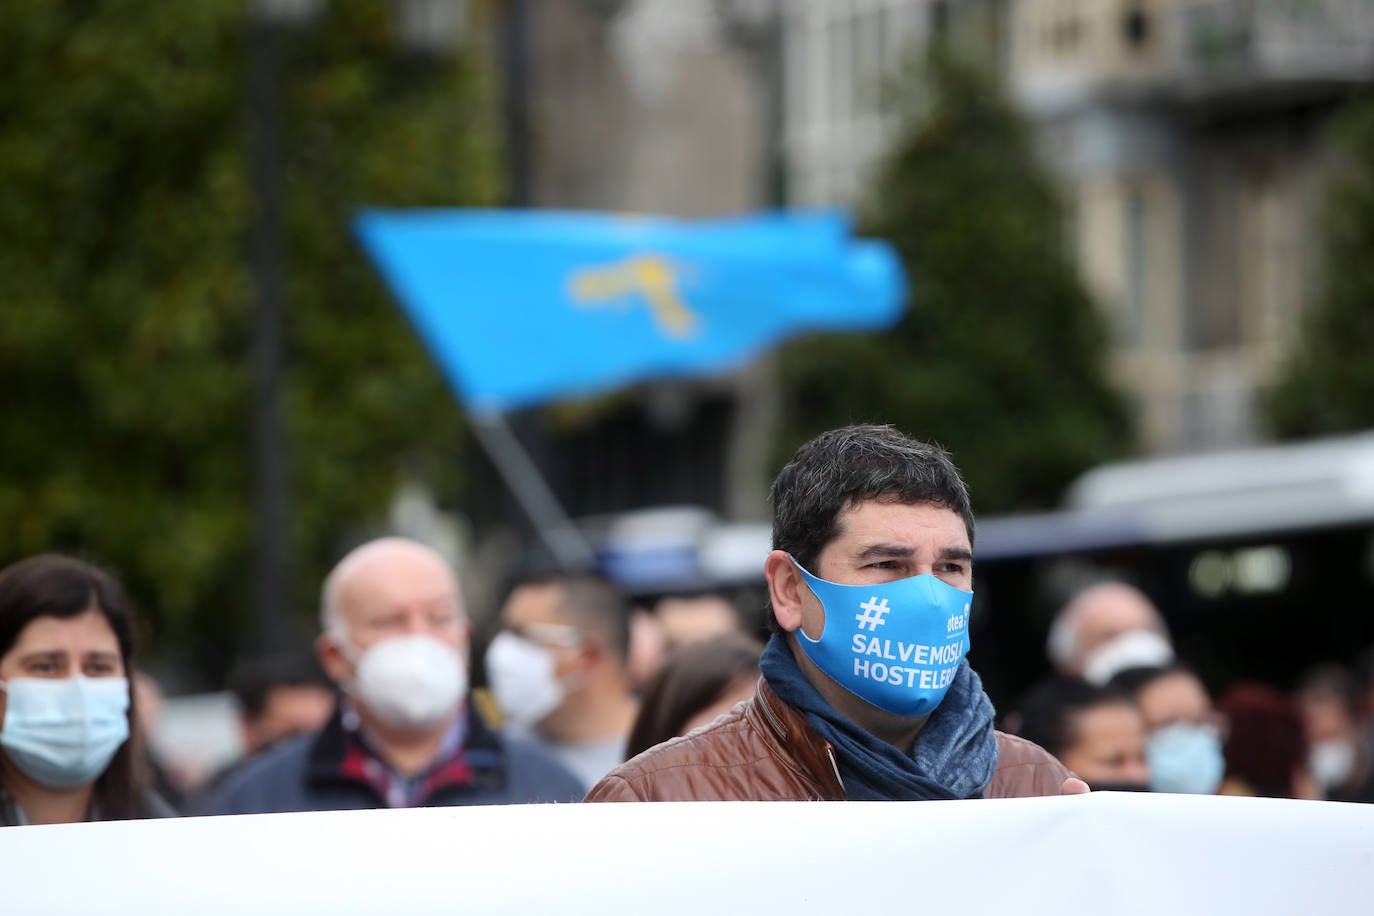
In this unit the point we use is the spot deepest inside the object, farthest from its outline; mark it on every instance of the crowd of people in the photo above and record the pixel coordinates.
(862, 689)
(1124, 712)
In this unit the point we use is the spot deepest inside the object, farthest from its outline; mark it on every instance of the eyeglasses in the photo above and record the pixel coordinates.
(561, 635)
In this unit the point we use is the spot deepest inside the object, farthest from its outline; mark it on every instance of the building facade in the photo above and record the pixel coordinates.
(843, 65)
(1188, 136)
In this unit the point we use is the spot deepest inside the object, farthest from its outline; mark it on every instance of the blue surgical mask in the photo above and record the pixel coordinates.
(896, 645)
(63, 732)
(1185, 758)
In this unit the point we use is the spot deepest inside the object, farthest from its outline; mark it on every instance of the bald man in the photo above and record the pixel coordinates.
(1108, 628)
(395, 640)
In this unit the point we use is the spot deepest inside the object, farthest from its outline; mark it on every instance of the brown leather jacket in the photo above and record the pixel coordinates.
(763, 750)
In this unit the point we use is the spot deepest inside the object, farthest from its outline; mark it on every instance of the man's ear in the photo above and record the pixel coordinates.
(785, 589)
(465, 631)
(332, 659)
(592, 650)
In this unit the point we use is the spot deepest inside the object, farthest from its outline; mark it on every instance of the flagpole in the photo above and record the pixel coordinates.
(569, 547)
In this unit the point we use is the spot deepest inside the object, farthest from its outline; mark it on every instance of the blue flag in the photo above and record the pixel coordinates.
(523, 307)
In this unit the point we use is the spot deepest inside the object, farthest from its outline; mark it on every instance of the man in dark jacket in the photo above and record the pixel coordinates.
(865, 692)
(396, 641)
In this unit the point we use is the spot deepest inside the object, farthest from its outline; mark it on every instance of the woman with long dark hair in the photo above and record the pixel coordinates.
(699, 681)
(69, 751)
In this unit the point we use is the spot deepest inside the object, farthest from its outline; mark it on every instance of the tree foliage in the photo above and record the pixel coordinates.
(124, 347)
(999, 357)
(1327, 384)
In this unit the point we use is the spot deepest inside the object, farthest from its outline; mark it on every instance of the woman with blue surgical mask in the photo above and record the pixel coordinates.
(66, 653)
(1183, 744)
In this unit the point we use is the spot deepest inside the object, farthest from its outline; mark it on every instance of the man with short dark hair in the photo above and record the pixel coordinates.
(865, 692)
(558, 670)
(280, 696)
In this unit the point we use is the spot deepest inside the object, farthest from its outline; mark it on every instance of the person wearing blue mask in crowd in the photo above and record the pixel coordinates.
(396, 643)
(1183, 747)
(865, 692)
(68, 748)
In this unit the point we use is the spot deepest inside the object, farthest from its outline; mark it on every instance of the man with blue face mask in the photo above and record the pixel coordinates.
(865, 692)
(395, 642)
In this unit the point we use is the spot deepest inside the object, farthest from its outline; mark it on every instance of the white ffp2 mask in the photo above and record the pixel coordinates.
(523, 683)
(1132, 649)
(412, 681)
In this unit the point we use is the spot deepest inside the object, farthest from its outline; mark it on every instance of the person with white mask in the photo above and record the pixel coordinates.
(558, 670)
(69, 749)
(395, 641)
(1105, 629)
(1339, 758)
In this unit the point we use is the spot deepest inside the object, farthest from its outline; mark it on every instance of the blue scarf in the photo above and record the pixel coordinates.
(955, 753)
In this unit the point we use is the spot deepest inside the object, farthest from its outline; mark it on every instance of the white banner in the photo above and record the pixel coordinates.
(1100, 853)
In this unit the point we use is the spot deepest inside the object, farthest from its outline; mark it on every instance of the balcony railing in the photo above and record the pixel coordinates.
(1242, 40)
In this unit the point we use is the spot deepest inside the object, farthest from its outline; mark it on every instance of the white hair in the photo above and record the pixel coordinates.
(332, 620)
(1062, 643)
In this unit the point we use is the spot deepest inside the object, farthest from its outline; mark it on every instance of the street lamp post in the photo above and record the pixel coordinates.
(425, 26)
(270, 508)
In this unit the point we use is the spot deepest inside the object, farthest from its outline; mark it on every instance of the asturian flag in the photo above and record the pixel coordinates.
(523, 307)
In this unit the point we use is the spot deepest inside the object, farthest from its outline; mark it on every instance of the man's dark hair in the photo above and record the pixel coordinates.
(842, 468)
(1050, 714)
(1132, 681)
(253, 680)
(592, 603)
(1334, 682)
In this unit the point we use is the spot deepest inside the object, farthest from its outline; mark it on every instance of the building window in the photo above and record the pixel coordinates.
(841, 69)
(939, 19)
(1263, 257)
(1065, 30)
(1136, 237)
(1135, 29)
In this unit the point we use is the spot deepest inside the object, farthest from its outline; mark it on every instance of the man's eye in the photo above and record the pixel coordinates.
(884, 564)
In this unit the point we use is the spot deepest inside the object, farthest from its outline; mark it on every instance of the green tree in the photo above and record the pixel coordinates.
(124, 350)
(1327, 382)
(999, 357)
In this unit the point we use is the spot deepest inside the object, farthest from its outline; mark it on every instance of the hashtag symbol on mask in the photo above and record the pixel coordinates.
(874, 610)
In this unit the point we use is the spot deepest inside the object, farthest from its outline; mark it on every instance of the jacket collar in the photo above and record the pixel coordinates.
(12, 814)
(482, 751)
(795, 743)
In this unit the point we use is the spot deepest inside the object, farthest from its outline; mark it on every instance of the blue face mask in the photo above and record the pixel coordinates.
(896, 645)
(1185, 758)
(63, 732)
